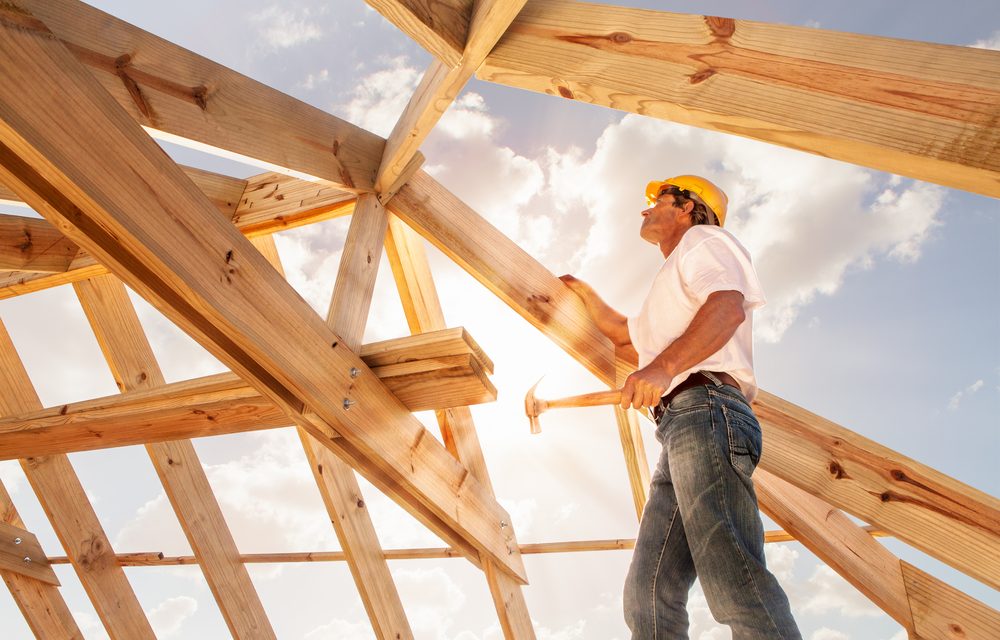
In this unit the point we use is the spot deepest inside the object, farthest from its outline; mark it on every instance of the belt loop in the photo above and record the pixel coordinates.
(711, 376)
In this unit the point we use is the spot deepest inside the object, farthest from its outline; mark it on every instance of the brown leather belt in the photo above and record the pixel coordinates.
(696, 379)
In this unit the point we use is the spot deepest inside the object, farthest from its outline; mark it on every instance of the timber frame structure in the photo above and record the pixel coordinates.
(117, 210)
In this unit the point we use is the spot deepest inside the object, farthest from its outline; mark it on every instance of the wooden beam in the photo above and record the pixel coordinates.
(636, 464)
(157, 559)
(133, 208)
(921, 110)
(184, 98)
(31, 244)
(506, 270)
(944, 518)
(265, 204)
(40, 603)
(339, 488)
(899, 589)
(69, 510)
(134, 367)
(947, 519)
(439, 87)
(223, 404)
(412, 271)
(439, 26)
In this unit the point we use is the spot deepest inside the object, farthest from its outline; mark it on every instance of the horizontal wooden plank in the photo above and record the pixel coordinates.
(427, 376)
(31, 244)
(921, 110)
(271, 202)
(186, 97)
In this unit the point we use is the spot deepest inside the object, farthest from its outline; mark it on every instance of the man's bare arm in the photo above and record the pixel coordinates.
(611, 323)
(710, 329)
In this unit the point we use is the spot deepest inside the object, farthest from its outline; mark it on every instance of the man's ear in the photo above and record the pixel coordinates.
(685, 211)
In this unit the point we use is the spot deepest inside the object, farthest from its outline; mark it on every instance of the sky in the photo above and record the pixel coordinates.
(883, 316)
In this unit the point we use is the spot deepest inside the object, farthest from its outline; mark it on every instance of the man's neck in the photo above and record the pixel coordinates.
(667, 245)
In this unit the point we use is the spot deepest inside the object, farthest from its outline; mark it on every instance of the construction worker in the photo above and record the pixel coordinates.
(694, 345)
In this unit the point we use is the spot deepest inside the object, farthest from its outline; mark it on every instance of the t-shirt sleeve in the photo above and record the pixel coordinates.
(718, 263)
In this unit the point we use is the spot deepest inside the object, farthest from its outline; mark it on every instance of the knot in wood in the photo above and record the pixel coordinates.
(123, 61)
(701, 76)
(565, 92)
(620, 37)
(897, 475)
(721, 28)
(885, 497)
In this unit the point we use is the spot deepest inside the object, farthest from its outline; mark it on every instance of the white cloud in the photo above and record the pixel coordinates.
(338, 629)
(313, 80)
(827, 592)
(824, 633)
(989, 42)
(90, 625)
(279, 27)
(168, 617)
(781, 559)
(379, 98)
(956, 399)
(11, 476)
(431, 599)
(807, 220)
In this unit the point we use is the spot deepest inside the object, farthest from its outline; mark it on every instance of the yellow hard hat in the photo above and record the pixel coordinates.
(701, 189)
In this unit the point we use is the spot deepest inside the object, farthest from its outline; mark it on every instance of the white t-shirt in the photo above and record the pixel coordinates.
(707, 259)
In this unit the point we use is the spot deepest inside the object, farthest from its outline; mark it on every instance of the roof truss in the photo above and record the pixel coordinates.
(199, 269)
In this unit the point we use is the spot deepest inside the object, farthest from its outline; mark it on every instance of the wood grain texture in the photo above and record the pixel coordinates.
(133, 365)
(169, 89)
(31, 244)
(21, 553)
(939, 515)
(413, 276)
(154, 229)
(335, 480)
(941, 612)
(925, 111)
(636, 463)
(439, 26)
(40, 603)
(72, 516)
(438, 88)
(224, 404)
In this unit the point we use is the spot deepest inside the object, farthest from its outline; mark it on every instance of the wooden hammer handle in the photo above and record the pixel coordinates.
(595, 399)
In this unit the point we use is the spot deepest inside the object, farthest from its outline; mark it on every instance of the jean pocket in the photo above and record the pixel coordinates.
(744, 436)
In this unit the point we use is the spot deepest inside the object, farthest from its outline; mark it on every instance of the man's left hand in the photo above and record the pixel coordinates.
(645, 387)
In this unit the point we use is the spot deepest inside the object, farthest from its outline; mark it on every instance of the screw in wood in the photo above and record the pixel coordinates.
(17, 541)
(354, 372)
(27, 560)
(347, 404)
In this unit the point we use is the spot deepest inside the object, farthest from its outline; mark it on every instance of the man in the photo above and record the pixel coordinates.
(694, 345)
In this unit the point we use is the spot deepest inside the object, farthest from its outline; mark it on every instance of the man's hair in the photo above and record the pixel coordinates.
(700, 214)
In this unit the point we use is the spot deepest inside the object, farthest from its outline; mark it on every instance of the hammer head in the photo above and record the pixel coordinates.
(533, 407)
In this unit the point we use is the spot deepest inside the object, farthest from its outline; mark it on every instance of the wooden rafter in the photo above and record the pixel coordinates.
(216, 286)
(72, 516)
(134, 367)
(185, 98)
(417, 291)
(909, 500)
(925, 111)
(439, 87)
(30, 244)
(337, 484)
(40, 603)
(871, 568)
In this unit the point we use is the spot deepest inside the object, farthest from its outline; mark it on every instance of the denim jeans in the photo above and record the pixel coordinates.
(702, 521)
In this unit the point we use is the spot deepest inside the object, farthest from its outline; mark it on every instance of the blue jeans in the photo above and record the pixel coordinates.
(702, 521)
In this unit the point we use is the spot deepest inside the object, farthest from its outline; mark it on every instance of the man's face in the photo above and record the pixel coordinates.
(660, 220)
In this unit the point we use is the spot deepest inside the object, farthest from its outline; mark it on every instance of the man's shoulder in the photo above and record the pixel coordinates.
(701, 233)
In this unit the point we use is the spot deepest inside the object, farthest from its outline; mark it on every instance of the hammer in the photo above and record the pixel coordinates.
(533, 406)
